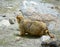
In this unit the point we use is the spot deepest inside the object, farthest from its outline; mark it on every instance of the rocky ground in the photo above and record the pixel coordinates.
(45, 10)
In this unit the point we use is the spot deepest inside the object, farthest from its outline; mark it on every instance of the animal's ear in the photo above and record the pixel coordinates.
(17, 16)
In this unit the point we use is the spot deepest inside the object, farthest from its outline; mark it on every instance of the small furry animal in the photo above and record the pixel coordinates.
(35, 28)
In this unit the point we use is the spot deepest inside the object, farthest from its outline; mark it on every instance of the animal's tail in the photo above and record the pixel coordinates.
(50, 34)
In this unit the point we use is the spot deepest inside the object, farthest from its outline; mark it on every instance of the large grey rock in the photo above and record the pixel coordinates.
(29, 7)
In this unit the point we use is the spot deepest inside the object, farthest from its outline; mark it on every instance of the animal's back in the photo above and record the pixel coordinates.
(34, 27)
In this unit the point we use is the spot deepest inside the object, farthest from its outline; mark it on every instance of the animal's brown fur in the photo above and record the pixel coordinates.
(32, 27)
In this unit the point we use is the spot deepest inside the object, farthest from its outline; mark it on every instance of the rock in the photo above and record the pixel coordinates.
(49, 42)
(4, 16)
(45, 38)
(55, 43)
(17, 38)
(4, 23)
(12, 20)
(29, 7)
(52, 7)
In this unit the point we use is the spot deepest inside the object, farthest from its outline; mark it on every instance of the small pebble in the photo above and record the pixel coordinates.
(4, 15)
(11, 21)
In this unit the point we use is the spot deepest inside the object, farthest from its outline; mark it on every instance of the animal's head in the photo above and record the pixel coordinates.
(19, 18)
